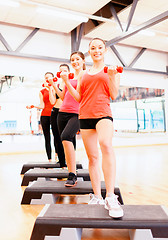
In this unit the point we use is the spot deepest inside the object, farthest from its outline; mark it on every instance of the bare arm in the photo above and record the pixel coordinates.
(114, 82)
(41, 106)
(76, 93)
(52, 96)
(60, 93)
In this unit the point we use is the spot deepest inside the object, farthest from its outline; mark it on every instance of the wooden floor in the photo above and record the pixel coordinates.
(141, 175)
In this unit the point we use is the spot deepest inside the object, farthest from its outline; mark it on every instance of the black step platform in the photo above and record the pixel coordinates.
(40, 187)
(32, 165)
(33, 174)
(54, 217)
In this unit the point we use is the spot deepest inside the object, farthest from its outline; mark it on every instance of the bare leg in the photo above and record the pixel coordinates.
(89, 137)
(105, 133)
(70, 156)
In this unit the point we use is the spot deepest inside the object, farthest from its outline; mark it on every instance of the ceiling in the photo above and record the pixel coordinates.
(101, 22)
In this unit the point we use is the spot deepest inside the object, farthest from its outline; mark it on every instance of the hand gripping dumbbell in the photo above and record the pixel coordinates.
(119, 69)
(55, 79)
(70, 75)
(31, 106)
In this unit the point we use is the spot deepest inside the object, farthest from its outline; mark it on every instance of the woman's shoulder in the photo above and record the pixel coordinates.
(82, 73)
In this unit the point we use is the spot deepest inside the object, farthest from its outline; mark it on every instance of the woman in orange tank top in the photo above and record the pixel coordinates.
(94, 90)
(45, 117)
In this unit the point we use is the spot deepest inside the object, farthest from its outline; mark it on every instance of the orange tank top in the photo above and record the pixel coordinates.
(95, 96)
(47, 105)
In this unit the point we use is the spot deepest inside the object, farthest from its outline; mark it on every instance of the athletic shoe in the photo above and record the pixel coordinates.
(71, 181)
(112, 204)
(95, 200)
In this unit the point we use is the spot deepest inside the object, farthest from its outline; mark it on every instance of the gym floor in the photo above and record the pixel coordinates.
(142, 167)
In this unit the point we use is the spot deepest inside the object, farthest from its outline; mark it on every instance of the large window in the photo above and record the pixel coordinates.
(143, 115)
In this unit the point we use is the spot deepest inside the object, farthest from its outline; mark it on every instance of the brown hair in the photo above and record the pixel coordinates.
(49, 73)
(80, 55)
(65, 65)
(97, 39)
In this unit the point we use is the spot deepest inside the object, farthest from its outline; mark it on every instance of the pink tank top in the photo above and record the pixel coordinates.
(69, 104)
(95, 96)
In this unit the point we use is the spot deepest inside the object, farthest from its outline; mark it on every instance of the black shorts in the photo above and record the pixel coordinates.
(90, 123)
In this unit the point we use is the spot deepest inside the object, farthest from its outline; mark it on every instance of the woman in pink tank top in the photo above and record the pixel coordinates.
(68, 122)
(94, 90)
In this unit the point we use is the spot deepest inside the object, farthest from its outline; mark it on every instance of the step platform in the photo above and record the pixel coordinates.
(33, 174)
(32, 165)
(40, 187)
(60, 219)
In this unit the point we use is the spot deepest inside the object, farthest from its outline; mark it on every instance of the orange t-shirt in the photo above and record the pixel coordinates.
(95, 96)
(47, 105)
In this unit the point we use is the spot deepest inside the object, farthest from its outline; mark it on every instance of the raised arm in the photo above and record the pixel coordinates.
(60, 93)
(76, 93)
(114, 82)
(52, 96)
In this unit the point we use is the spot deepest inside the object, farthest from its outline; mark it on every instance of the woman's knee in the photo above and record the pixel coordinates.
(106, 146)
(93, 160)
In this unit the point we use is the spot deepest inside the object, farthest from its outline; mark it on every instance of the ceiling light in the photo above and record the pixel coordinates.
(62, 14)
(147, 33)
(9, 3)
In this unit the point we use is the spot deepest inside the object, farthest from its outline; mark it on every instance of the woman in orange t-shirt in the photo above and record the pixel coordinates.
(94, 90)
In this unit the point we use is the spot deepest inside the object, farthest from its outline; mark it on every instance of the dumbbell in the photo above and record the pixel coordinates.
(55, 79)
(31, 106)
(119, 69)
(70, 75)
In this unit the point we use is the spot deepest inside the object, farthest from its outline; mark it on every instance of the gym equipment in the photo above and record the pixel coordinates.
(119, 69)
(70, 75)
(55, 79)
(40, 187)
(32, 165)
(145, 222)
(33, 174)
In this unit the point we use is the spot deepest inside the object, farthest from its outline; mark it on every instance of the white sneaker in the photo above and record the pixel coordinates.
(95, 200)
(112, 204)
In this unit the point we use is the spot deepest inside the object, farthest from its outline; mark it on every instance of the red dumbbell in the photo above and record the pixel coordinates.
(70, 75)
(31, 106)
(55, 79)
(43, 85)
(119, 69)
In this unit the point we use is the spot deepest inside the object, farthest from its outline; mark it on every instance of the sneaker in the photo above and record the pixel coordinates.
(95, 200)
(112, 204)
(71, 181)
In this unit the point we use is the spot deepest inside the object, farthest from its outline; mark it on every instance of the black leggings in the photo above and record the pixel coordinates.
(57, 140)
(45, 123)
(68, 126)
